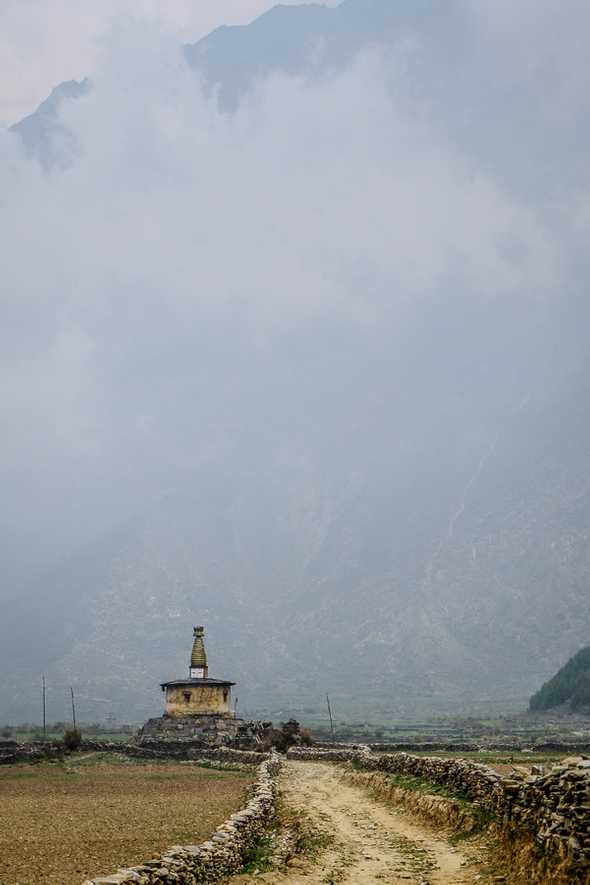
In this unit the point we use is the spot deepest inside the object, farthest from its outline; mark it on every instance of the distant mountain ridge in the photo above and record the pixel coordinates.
(284, 39)
(42, 132)
(288, 39)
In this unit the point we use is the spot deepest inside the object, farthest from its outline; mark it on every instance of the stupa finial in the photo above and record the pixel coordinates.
(198, 667)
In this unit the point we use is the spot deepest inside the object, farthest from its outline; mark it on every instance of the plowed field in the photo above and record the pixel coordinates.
(61, 823)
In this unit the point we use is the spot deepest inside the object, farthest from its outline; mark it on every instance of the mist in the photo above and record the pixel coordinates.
(366, 275)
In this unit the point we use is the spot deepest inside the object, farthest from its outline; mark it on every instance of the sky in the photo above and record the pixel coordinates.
(405, 175)
(44, 43)
(354, 266)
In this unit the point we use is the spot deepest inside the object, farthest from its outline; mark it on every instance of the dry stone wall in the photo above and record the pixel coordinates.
(31, 753)
(156, 750)
(176, 750)
(207, 731)
(217, 858)
(552, 809)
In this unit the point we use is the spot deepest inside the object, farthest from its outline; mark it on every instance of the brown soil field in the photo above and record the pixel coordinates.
(61, 823)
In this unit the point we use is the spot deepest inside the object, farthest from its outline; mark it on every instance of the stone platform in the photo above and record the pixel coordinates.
(205, 731)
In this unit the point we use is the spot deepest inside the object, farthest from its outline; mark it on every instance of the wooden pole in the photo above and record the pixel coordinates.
(73, 706)
(44, 721)
(330, 715)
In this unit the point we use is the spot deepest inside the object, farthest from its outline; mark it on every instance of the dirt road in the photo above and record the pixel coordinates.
(372, 842)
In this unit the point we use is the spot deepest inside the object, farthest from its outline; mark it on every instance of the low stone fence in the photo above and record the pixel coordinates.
(552, 809)
(31, 753)
(221, 856)
(158, 750)
(570, 748)
(175, 750)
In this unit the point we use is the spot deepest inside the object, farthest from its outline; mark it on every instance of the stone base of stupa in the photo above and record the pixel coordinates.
(207, 731)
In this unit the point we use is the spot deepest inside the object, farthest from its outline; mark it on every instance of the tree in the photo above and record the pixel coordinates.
(570, 685)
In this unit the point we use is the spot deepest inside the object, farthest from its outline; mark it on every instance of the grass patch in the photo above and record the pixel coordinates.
(483, 819)
(309, 839)
(258, 858)
(481, 816)
(428, 788)
(312, 842)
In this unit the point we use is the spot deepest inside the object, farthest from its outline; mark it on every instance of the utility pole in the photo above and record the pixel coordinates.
(73, 706)
(44, 722)
(331, 720)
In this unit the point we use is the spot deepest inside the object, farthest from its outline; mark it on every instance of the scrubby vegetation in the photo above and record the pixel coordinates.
(72, 738)
(284, 737)
(571, 685)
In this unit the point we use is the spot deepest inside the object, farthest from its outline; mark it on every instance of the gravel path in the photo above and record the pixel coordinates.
(372, 842)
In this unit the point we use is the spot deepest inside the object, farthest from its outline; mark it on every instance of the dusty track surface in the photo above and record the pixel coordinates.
(371, 842)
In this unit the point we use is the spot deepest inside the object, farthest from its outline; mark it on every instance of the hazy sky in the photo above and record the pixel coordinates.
(371, 262)
(43, 42)
(147, 287)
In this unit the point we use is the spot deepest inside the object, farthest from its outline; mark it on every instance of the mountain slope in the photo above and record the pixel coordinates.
(570, 685)
(437, 561)
(42, 133)
(290, 39)
(286, 39)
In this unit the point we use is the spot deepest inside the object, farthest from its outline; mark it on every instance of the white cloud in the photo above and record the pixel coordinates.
(43, 43)
(157, 293)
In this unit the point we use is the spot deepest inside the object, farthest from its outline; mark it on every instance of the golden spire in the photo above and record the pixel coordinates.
(198, 666)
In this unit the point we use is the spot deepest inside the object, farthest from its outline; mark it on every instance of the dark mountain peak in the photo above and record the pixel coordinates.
(283, 39)
(286, 37)
(49, 108)
(39, 130)
(277, 40)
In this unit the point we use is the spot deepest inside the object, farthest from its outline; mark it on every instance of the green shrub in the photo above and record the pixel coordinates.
(72, 738)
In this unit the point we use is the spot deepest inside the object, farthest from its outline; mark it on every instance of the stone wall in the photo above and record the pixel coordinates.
(212, 731)
(552, 810)
(217, 858)
(154, 750)
(570, 748)
(31, 752)
(173, 750)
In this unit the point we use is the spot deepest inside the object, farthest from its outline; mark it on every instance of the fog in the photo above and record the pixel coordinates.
(189, 286)
(42, 43)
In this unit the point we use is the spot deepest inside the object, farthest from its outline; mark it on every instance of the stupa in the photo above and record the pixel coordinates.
(199, 708)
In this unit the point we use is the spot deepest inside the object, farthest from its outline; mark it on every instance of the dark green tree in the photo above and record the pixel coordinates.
(570, 685)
